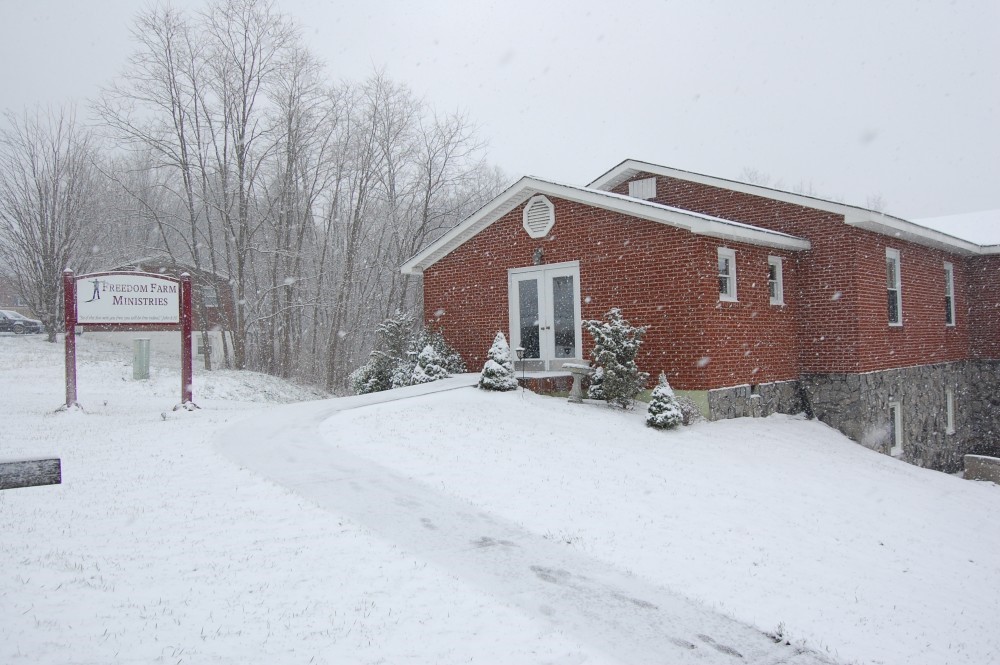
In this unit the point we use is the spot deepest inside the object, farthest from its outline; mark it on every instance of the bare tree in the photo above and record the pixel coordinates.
(307, 196)
(156, 110)
(48, 193)
(303, 167)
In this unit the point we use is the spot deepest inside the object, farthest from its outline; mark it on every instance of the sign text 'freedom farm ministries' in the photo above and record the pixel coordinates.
(127, 298)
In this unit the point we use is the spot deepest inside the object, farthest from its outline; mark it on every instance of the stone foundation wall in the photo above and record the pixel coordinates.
(984, 406)
(756, 401)
(858, 406)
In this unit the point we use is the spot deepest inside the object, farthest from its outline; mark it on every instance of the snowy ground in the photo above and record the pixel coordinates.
(463, 526)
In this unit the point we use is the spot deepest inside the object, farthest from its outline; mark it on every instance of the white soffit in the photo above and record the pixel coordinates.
(920, 235)
(527, 187)
(853, 215)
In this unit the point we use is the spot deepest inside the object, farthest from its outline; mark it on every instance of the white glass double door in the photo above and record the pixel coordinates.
(544, 304)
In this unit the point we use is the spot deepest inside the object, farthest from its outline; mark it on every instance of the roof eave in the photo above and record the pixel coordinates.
(630, 167)
(528, 186)
(853, 215)
(921, 235)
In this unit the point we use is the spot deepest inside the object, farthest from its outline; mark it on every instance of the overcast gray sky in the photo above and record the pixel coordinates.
(897, 98)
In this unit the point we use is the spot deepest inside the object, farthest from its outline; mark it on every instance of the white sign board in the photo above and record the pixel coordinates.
(127, 298)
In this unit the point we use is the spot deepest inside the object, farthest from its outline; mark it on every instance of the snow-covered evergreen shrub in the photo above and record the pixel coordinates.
(617, 379)
(498, 372)
(594, 388)
(396, 358)
(374, 375)
(428, 367)
(450, 358)
(664, 412)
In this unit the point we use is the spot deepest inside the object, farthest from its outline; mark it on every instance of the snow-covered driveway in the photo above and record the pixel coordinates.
(629, 619)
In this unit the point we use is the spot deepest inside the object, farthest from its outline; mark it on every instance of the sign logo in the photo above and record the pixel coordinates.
(127, 298)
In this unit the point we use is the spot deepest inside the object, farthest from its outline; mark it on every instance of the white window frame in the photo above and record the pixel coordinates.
(779, 281)
(949, 294)
(893, 255)
(730, 254)
(949, 406)
(896, 415)
(547, 359)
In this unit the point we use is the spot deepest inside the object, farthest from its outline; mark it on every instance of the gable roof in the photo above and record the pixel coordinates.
(528, 186)
(864, 218)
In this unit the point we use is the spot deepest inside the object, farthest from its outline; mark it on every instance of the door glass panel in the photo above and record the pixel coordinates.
(527, 297)
(563, 317)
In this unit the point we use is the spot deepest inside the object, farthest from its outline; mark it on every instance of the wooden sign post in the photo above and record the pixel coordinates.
(123, 301)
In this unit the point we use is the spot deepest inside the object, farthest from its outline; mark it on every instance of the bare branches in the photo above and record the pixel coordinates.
(48, 197)
(236, 156)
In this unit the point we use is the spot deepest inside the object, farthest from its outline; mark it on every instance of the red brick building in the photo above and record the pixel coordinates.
(756, 300)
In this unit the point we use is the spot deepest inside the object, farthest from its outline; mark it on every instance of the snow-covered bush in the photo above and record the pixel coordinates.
(690, 412)
(374, 376)
(664, 412)
(498, 372)
(429, 367)
(617, 379)
(449, 357)
(397, 357)
(402, 372)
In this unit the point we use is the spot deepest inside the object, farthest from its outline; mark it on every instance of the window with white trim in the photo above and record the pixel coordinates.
(895, 429)
(893, 287)
(775, 280)
(949, 404)
(949, 294)
(727, 274)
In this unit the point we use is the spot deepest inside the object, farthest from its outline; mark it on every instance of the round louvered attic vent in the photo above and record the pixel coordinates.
(539, 217)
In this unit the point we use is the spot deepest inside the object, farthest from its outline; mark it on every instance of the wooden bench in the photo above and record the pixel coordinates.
(30, 473)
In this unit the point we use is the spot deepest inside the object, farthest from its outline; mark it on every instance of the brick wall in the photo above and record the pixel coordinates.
(841, 285)
(924, 338)
(660, 276)
(983, 305)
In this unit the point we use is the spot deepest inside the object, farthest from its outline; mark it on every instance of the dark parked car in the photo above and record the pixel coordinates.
(17, 323)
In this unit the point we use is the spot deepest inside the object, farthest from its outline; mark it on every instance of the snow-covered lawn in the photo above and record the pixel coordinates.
(155, 549)
(781, 522)
(158, 548)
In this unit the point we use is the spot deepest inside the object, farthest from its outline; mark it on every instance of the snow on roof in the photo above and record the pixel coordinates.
(982, 228)
(660, 206)
(872, 220)
(526, 187)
